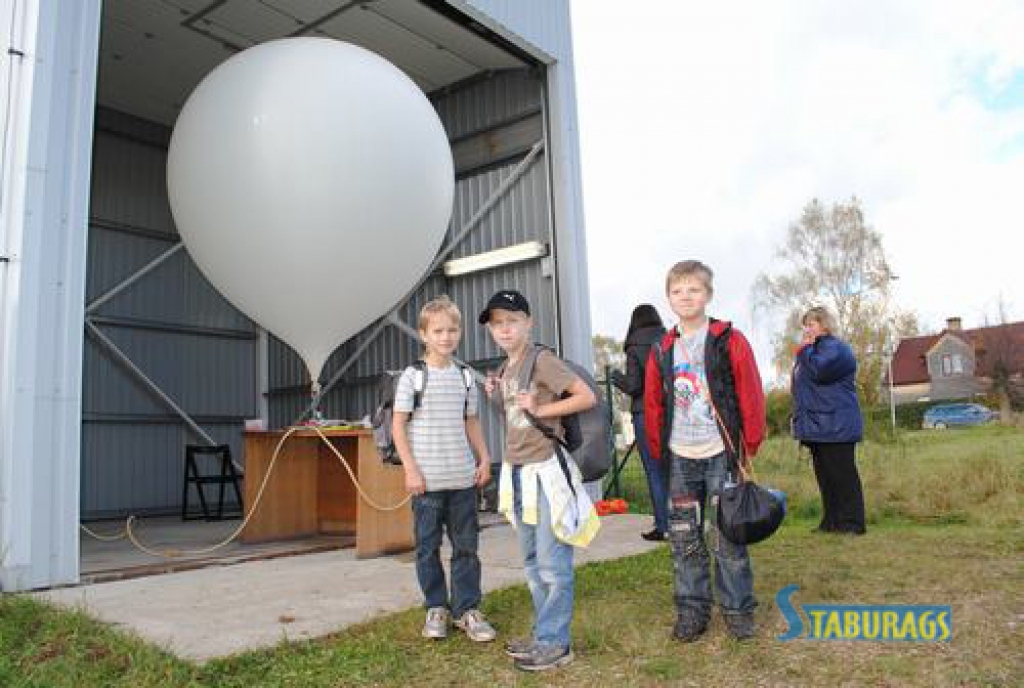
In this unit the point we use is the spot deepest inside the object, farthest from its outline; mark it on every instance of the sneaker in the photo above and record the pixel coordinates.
(741, 626)
(689, 627)
(654, 535)
(476, 627)
(519, 648)
(544, 657)
(436, 625)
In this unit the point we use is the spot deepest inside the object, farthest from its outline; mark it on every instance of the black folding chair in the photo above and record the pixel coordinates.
(227, 475)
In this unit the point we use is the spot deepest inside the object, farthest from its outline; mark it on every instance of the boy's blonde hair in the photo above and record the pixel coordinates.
(442, 305)
(822, 316)
(691, 268)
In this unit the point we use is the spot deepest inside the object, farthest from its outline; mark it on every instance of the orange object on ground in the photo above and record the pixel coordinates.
(605, 507)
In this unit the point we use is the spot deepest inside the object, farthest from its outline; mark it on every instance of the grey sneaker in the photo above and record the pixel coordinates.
(741, 626)
(436, 625)
(476, 627)
(545, 657)
(519, 648)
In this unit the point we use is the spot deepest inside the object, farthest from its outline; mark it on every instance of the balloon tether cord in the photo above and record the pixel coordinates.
(175, 553)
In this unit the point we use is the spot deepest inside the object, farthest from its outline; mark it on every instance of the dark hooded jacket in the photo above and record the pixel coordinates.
(637, 347)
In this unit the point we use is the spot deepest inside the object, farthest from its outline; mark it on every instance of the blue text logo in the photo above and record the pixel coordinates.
(921, 623)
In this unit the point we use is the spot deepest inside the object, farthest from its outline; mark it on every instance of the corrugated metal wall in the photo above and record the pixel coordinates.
(546, 25)
(203, 352)
(172, 324)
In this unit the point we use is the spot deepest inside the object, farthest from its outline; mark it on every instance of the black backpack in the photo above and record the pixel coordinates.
(586, 435)
(385, 411)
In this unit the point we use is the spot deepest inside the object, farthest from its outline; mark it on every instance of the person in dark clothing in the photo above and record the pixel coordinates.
(827, 419)
(645, 328)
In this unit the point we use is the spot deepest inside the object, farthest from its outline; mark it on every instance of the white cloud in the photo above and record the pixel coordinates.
(706, 128)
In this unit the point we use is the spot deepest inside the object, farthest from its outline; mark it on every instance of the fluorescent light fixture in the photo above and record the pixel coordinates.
(496, 258)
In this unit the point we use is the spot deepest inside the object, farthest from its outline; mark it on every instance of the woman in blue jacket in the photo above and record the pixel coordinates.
(827, 419)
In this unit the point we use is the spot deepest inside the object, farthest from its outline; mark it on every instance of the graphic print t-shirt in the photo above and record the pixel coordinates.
(695, 433)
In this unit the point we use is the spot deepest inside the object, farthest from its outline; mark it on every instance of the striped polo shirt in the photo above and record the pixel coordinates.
(437, 429)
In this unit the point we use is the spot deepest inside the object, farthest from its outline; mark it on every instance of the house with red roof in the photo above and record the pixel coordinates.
(956, 363)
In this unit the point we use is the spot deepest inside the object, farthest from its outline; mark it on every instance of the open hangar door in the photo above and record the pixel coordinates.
(167, 360)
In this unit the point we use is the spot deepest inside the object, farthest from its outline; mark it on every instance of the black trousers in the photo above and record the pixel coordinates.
(841, 494)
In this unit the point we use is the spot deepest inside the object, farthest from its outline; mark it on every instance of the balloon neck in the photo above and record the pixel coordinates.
(314, 392)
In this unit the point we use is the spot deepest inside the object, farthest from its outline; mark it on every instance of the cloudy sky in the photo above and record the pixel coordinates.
(706, 127)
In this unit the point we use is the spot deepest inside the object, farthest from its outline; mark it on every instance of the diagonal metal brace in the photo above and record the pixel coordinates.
(125, 361)
(133, 278)
(391, 317)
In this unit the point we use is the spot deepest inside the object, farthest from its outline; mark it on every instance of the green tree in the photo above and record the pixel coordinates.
(832, 258)
(608, 352)
(999, 347)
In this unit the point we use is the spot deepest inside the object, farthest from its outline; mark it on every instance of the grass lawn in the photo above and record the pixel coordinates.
(946, 526)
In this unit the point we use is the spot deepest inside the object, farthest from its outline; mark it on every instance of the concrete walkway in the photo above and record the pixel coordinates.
(215, 612)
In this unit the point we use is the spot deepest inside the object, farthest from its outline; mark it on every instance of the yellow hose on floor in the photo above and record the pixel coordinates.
(175, 553)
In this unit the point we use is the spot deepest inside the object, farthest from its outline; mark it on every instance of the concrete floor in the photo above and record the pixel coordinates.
(103, 560)
(222, 610)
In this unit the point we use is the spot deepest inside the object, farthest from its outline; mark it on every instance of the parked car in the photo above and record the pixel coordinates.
(948, 415)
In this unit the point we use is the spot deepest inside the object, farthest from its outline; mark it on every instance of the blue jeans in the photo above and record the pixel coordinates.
(547, 562)
(695, 485)
(454, 510)
(655, 481)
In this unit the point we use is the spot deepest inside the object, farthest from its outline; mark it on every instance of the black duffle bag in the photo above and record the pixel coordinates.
(749, 513)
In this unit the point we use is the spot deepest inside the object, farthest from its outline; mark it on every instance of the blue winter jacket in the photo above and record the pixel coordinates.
(825, 407)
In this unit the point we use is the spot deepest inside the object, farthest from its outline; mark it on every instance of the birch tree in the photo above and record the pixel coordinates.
(832, 258)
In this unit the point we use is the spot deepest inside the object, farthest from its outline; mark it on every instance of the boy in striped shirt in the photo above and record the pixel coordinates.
(436, 441)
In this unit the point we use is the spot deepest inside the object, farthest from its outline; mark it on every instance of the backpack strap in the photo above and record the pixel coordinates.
(525, 379)
(419, 382)
(530, 365)
(469, 381)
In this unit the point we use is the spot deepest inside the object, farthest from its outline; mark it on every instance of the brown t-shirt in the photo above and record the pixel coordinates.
(523, 442)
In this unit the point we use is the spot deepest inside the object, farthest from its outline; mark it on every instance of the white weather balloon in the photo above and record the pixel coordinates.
(312, 183)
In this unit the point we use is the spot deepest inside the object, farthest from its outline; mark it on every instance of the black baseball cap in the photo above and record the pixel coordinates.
(506, 300)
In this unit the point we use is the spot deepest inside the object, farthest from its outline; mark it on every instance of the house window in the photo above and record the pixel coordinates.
(958, 364)
(947, 365)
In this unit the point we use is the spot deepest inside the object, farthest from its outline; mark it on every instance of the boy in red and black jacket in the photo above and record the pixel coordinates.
(705, 419)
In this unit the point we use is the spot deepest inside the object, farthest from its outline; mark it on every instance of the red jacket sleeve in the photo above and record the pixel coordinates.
(749, 392)
(654, 409)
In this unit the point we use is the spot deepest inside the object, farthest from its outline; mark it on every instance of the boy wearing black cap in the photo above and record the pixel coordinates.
(547, 559)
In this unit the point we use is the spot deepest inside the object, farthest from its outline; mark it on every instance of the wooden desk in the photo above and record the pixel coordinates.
(311, 493)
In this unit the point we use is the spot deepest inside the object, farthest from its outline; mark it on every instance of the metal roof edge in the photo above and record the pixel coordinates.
(493, 25)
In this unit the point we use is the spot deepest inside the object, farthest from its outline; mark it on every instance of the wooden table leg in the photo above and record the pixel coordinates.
(288, 506)
(381, 532)
(336, 494)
